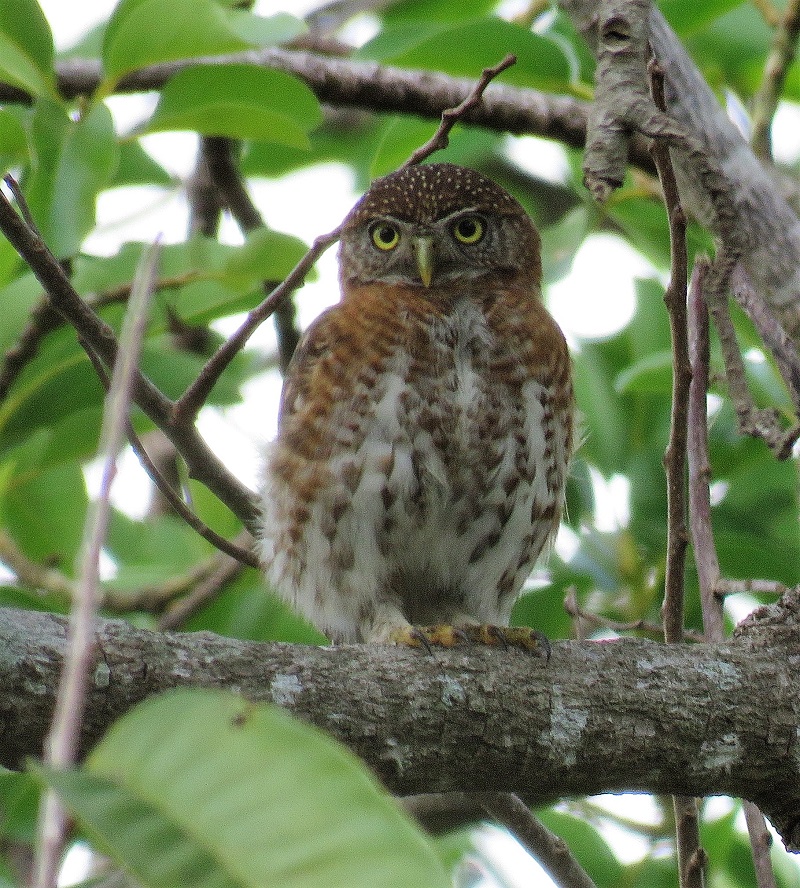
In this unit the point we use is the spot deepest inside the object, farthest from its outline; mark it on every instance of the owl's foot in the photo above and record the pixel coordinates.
(444, 635)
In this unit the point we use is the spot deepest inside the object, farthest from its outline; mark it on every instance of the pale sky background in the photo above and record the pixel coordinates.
(240, 433)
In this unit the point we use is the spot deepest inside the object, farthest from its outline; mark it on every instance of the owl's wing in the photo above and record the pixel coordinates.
(317, 341)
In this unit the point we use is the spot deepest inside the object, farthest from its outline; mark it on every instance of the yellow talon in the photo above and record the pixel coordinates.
(446, 636)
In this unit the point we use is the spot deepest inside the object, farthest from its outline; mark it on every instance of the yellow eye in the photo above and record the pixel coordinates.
(469, 229)
(384, 236)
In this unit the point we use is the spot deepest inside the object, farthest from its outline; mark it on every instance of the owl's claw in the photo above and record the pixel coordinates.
(446, 636)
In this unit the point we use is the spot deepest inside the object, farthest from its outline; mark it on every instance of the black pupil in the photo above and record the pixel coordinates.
(467, 228)
(386, 234)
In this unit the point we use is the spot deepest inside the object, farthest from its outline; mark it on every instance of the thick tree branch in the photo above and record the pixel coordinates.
(769, 226)
(626, 715)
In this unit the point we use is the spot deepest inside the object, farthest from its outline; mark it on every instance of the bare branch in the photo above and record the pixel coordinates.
(781, 55)
(702, 534)
(675, 455)
(451, 116)
(705, 550)
(62, 741)
(189, 404)
(687, 830)
(550, 850)
(439, 724)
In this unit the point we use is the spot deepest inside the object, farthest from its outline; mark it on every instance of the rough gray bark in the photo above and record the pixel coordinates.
(765, 220)
(624, 715)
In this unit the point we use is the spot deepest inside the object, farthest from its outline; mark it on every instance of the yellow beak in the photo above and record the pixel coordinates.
(423, 251)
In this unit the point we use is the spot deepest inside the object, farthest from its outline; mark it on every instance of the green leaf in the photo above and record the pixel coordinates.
(266, 255)
(73, 161)
(13, 141)
(560, 242)
(689, 18)
(245, 609)
(733, 49)
(19, 802)
(143, 32)
(148, 553)
(155, 850)
(26, 48)
(465, 50)
(202, 788)
(137, 167)
(44, 511)
(436, 10)
(59, 381)
(262, 30)
(650, 375)
(607, 419)
(241, 101)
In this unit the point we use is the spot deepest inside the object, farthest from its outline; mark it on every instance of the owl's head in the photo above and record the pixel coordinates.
(434, 224)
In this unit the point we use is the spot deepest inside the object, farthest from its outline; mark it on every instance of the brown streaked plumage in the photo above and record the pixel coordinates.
(426, 420)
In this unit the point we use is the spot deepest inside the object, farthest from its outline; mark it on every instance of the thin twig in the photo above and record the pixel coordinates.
(578, 613)
(450, 116)
(239, 553)
(205, 591)
(551, 851)
(32, 574)
(691, 857)
(675, 456)
(168, 491)
(751, 586)
(705, 553)
(760, 844)
(189, 404)
(19, 197)
(779, 60)
(62, 741)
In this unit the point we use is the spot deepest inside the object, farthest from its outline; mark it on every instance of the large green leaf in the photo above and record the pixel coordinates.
(241, 101)
(464, 50)
(26, 48)
(44, 511)
(266, 255)
(144, 32)
(436, 10)
(73, 160)
(202, 788)
(261, 30)
(13, 142)
(689, 18)
(19, 801)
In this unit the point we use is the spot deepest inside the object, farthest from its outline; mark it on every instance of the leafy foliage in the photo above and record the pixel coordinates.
(288, 801)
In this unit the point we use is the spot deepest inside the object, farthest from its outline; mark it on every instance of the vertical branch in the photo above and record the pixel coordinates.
(705, 552)
(691, 856)
(779, 60)
(675, 455)
(61, 745)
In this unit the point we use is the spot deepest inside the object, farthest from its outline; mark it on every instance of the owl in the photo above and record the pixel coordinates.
(425, 424)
